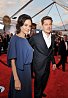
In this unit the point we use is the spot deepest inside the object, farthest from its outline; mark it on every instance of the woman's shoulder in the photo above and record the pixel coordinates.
(13, 38)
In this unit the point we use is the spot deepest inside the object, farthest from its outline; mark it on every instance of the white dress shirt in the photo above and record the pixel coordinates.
(66, 45)
(47, 39)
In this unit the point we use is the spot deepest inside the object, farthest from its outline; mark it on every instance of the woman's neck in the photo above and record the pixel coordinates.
(21, 35)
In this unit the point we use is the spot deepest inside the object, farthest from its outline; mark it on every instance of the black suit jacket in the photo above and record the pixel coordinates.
(42, 55)
(62, 49)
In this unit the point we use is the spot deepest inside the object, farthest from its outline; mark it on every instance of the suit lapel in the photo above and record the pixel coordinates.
(43, 43)
(52, 40)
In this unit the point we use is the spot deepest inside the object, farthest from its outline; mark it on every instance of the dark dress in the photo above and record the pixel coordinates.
(20, 49)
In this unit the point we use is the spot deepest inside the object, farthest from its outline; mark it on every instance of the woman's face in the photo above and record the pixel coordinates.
(26, 27)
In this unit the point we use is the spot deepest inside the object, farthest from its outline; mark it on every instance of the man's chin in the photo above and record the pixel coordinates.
(48, 32)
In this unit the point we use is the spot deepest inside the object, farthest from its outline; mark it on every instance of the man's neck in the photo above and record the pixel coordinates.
(47, 34)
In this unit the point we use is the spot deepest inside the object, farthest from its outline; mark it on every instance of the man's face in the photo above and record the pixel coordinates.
(65, 38)
(47, 26)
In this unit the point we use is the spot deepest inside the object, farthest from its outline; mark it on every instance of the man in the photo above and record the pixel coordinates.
(42, 44)
(62, 52)
(66, 44)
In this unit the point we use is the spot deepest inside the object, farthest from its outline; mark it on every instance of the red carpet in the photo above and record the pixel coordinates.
(57, 86)
(4, 76)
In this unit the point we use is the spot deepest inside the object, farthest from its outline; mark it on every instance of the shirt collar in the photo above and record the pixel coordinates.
(44, 34)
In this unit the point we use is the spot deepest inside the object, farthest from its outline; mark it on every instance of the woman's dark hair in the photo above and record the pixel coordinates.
(46, 18)
(20, 22)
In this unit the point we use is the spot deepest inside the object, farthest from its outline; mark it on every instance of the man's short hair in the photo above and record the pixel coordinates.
(46, 18)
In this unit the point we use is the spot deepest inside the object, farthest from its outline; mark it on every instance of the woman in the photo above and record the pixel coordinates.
(20, 57)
